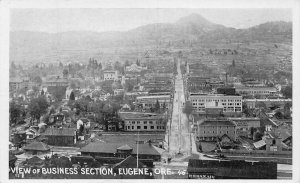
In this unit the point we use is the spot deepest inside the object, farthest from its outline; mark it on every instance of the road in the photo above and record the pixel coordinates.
(179, 139)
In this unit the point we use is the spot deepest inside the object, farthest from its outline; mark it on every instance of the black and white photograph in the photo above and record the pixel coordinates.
(150, 93)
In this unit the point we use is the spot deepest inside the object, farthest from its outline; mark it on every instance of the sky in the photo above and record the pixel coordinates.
(101, 20)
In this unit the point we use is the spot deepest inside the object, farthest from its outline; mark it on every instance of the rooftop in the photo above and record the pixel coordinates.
(37, 146)
(217, 122)
(60, 132)
(100, 147)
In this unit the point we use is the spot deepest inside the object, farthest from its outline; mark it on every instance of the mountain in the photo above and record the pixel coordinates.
(26, 45)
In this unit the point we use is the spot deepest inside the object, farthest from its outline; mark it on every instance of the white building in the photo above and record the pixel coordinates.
(230, 103)
(110, 75)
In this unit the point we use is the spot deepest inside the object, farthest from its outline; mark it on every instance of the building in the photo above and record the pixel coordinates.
(135, 121)
(264, 91)
(212, 129)
(243, 125)
(144, 151)
(251, 103)
(119, 92)
(36, 148)
(56, 81)
(134, 68)
(110, 75)
(147, 102)
(232, 104)
(60, 136)
(233, 169)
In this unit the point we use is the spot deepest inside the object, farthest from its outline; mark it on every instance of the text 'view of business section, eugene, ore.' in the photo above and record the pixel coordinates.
(150, 93)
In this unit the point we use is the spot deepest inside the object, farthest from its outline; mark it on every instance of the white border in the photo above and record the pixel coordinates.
(5, 6)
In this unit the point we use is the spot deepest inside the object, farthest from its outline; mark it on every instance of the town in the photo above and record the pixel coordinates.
(173, 106)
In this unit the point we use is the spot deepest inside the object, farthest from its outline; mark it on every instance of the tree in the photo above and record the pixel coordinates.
(37, 107)
(278, 115)
(157, 106)
(288, 92)
(65, 73)
(72, 96)
(15, 112)
(37, 79)
(42, 92)
(261, 105)
(287, 111)
(233, 63)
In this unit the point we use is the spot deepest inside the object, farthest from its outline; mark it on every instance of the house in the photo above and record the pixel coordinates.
(60, 136)
(99, 149)
(37, 148)
(212, 129)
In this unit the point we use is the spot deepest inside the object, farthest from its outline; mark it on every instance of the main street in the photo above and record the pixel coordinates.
(179, 139)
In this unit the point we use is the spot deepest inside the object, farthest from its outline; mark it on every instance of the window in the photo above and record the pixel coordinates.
(227, 132)
(133, 122)
(158, 127)
(138, 122)
(150, 122)
(132, 127)
(145, 127)
(152, 127)
(213, 131)
(145, 122)
(138, 127)
(128, 127)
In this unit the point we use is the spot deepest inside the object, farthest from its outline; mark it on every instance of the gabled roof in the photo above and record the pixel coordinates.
(217, 122)
(259, 144)
(145, 149)
(37, 146)
(125, 147)
(129, 162)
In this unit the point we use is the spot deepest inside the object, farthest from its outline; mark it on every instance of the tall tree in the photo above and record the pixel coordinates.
(157, 106)
(72, 96)
(14, 112)
(37, 107)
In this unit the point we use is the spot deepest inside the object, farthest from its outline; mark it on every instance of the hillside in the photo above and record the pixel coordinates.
(26, 45)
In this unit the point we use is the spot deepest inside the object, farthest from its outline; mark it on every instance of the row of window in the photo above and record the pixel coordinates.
(145, 122)
(220, 132)
(202, 104)
(216, 100)
(145, 127)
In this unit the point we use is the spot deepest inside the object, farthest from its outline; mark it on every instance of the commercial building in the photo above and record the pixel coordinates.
(212, 129)
(231, 104)
(135, 121)
(233, 169)
(147, 102)
(265, 91)
(143, 151)
(243, 125)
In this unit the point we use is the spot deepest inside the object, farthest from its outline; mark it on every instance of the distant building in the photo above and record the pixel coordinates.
(147, 102)
(264, 91)
(119, 92)
(37, 148)
(135, 68)
(212, 129)
(110, 75)
(56, 81)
